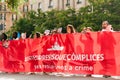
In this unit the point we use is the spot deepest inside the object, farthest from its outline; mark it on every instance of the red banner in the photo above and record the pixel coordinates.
(90, 53)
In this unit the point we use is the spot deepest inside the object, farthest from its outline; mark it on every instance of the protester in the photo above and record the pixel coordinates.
(37, 35)
(86, 29)
(83, 30)
(3, 37)
(15, 36)
(70, 29)
(4, 40)
(90, 46)
(106, 26)
(89, 29)
(59, 30)
(47, 32)
(54, 31)
(18, 35)
(23, 35)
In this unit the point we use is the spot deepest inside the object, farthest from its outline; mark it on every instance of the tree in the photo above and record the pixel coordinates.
(23, 25)
(98, 11)
(14, 4)
(89, 16)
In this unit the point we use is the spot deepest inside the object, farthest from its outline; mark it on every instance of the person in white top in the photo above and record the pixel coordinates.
(106, 26)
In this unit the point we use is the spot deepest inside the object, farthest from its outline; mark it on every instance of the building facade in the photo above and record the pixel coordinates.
(46, 5)
(7, 17)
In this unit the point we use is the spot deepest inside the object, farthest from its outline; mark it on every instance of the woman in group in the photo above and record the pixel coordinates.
(70, 29)
(69, 42)
(4, 40)
(37, 35)
(86, 29)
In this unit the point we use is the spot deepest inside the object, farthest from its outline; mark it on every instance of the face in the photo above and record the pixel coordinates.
(68, 29)
(35, 36)
(104, 25)
(109, 28)
(88, 30)
(23, 35)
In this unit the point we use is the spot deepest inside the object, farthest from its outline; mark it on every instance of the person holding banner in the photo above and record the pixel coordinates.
(70, 29)
(86, 29)
(3, 37)
(4, 40)
(107, 48)
(88, 47)
(106, 26)
(37, 35)
(15, 36)
(69, 48)
(46, 32)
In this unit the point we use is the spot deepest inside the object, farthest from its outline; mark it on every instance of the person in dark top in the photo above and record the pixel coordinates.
(3, 37)
(14, 36)
(4, 40)
(37, 35)
(70, 29)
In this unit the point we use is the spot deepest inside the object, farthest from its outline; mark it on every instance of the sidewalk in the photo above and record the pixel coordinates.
(47, 77)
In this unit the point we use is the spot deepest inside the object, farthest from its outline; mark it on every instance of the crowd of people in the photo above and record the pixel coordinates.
(69, 29)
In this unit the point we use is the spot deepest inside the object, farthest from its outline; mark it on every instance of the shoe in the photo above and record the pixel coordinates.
(106, 76)
(88, 75)
(30, 73)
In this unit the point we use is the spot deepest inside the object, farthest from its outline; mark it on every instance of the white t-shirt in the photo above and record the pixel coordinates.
(109, 28)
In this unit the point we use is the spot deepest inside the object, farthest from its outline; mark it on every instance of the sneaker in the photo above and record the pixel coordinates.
(106, 76)
(88, 75)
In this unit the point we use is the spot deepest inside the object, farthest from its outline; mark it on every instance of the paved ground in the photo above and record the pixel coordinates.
(47, 77)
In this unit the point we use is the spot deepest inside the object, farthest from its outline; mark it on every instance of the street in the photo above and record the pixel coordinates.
(9, 76)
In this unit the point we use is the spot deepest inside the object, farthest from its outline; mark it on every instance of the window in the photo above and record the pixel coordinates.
(2, 16)
(4, 8)
(0, 7)
(39, 5)
(1, 26)
(31, 6)
(79, 2)
(68, 3)
(25, 8)
(14, 17)
(50, 4)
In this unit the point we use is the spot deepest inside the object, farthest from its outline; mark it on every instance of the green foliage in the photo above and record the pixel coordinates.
(23, 25)
(14, 4)
(100, 10)
(89, 16)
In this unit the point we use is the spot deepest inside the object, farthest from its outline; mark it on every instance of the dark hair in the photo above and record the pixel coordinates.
(37, 35)
(89, 28)
(14, 35)
(71, 28)
(3, 37)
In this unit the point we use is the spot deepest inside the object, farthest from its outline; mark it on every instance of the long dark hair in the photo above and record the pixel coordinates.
(3, 37)
(71, 28)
